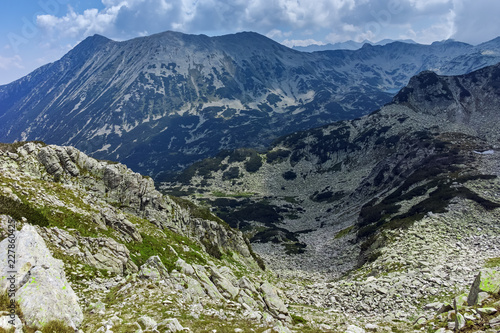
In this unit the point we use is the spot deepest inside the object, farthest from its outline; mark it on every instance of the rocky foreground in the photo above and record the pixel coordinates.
(95, 256)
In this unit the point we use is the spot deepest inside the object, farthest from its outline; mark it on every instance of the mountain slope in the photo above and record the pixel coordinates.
(380, 171)
(96, 246)
(161, 102)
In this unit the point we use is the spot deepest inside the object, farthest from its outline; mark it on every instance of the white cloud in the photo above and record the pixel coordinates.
(301, 42)
(295, 21)
(7, 63)
(476, 21)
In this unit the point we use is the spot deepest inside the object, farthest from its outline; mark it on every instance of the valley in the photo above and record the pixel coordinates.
(280, 191)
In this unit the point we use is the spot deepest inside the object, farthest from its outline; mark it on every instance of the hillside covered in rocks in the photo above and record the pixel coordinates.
(384, 218)
(387, 223)
(99, 249)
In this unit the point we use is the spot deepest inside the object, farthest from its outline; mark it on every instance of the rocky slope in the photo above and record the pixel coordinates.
(161, 102)
(99, 249)
(325, 193)
(384, 218)
(387, 221)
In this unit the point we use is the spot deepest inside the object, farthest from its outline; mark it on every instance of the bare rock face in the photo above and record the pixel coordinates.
(42, 291)
(101, 253)
(153, 268)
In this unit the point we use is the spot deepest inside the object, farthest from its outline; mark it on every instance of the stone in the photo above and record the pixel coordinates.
(274, 304)
(445, 308)
(487, 280)
(172, 325)
(482, 296)
(495, 322)
(225, 286)
(486, 311)
(354, 329)
(147, 323)
(461, 301)
(101, 253)
(461, 322)
(245, 283)
(433, 306)
(43, 292)
(6, 325)
(153, 269)
(280, 328)
(184, 267)
(210, 289)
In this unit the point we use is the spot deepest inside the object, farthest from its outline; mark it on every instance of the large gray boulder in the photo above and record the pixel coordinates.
(225, 286)
(153, 269)
(101, 252)
(274, 303)
(42, 291)
(487, 280)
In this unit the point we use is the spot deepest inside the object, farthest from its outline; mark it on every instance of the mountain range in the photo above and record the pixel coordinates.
(161, 102)
(348, 45)
(383, 223)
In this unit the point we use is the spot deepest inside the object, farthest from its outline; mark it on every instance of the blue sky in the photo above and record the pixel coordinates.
(36, 32)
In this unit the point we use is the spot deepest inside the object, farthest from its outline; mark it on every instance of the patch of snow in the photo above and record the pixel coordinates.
(486, 152)
(104, 148)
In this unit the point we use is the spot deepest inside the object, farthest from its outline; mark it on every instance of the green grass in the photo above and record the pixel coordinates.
(344, 232)
(492, 262)
(296, 319)
(220, 194)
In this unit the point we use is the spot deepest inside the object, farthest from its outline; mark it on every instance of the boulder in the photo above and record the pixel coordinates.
(172, 325)
(42, 291)
(153, 268)
(274, 304)
(224, 285)
(5, 323)
(487, 280)
(147, 323)
(354, 329)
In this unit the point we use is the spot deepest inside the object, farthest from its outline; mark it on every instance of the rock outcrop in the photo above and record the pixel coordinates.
(38, 280)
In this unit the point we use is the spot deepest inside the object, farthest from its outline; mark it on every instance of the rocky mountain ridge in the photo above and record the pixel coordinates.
(92, 236)
(312, 188)
(159, 103)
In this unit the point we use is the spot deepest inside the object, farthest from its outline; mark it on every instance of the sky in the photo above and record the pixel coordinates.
(36, 32)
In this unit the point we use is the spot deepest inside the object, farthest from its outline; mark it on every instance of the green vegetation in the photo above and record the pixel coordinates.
(57, 326)
(344, 232)
(154, 245)
(220, 194)
(492, 262)
(296, 319)
(197, 211)
(254, 163)
(277, 156)
(327, 196)
(18, 210)
(289, 175)
(232, 173)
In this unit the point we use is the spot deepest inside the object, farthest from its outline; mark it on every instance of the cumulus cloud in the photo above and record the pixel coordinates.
(288, 21)
(476, 21)
(301, 42)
